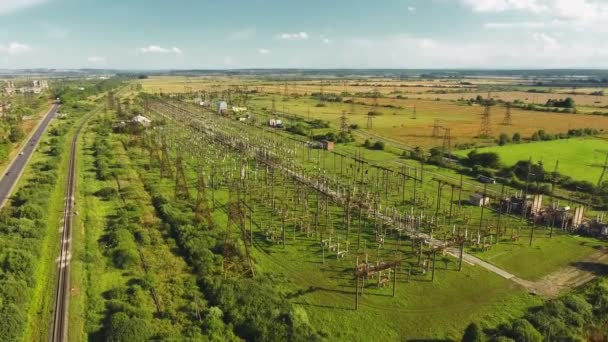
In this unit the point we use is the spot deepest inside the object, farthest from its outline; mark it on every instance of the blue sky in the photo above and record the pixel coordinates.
(304, 34)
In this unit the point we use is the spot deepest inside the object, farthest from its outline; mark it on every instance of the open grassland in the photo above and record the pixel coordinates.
(579, 158)
(546, 255)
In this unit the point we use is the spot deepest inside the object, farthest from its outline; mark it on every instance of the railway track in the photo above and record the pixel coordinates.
(59, 324)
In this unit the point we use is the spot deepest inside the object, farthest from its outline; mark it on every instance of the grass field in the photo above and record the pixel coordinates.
(546, 255)
(580, 158)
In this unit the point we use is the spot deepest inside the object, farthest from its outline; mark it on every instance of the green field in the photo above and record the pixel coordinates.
(579, 158)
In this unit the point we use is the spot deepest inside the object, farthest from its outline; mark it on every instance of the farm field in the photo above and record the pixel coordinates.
(445, 90)
(580, 158)
(396, 121)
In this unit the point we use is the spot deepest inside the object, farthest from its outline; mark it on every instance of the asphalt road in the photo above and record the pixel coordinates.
(13, 172)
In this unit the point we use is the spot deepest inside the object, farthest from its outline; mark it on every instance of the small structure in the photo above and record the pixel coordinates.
(238, 109)
(141, 120)
(275, 123)
(222, 108)
(486, 180)
(328, 145)
(479, 200)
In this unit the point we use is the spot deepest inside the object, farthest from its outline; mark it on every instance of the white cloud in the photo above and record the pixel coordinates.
(244, 34)
(325, 40)
(547, 42)
(574, 11)
(540, 50)
(411, 9)
(9, 6)
(514, 25)
(293, 36)
(15, 48)
(263, 51)
(506, 5)
(425, 43)
(160, 49)
(96, 59)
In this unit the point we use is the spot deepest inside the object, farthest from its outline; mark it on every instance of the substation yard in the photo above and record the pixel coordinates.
(306, 218)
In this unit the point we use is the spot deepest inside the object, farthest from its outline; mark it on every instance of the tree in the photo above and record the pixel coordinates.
(485, 159)
(417, 154)
(125, 329)
(16, 132)
(516, 138)
(522, 330)
(378, 145)
(473, 333)
(503, 139)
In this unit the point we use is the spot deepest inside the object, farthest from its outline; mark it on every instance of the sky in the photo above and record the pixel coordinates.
(233, 34)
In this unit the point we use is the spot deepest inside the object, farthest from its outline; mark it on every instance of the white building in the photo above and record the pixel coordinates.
(142, 120)
(222, 107)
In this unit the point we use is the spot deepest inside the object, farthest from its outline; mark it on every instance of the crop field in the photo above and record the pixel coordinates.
(445, 90)
(395, 122)
(580, 158)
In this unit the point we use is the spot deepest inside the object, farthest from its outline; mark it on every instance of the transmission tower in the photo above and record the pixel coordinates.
(436, 127)
(604, 168)
(370, 120)
(485, 129)
(507, 119)
(181, 184)
(343, 122)
(233, 262)
(554, 177)
(201, 210)
(414, 113)
(165, 162)
(447, 143)
(274, 106)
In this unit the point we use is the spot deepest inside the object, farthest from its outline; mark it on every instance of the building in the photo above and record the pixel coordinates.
(275, 123)
(328, 145)
(222, 107)
(142, 120)
(238, 109)
(479, 200)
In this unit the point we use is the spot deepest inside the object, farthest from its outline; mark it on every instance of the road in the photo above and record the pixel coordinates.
(16, 167)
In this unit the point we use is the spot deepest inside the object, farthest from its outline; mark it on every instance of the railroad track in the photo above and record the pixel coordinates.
(59, 325)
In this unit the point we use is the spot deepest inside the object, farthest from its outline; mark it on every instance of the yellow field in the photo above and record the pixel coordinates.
(395, 123)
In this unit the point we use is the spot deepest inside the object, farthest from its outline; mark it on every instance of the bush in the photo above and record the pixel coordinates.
(473, 333)
(106, 193)
(485, 159)
(125, 329)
